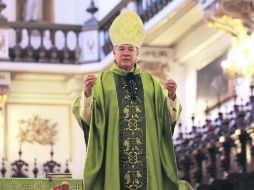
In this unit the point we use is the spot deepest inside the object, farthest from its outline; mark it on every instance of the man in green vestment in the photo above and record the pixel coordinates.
(128, 119)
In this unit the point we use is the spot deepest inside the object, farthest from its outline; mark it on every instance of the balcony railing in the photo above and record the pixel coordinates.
(39, 41)
(36, 42)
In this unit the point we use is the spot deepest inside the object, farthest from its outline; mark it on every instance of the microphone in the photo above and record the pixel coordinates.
(130, 78)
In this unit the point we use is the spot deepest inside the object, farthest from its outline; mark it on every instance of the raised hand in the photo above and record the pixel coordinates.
(89, 82)
(171, 86)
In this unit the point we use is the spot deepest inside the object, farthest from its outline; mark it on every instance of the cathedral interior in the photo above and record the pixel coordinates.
(47, 47)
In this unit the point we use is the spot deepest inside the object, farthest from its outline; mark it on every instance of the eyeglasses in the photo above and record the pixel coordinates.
(123, 48)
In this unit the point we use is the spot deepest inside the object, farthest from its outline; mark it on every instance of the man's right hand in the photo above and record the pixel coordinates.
(89, 82)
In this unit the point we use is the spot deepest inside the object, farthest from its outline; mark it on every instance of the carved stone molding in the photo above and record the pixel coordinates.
(233, 16)
(156, 60)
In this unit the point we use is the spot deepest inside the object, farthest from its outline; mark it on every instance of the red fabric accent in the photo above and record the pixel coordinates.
(61, 187)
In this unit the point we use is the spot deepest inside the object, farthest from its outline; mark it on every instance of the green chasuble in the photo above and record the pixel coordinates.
(129, 141)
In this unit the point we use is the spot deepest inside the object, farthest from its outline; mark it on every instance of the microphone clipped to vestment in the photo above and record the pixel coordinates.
(130, 79)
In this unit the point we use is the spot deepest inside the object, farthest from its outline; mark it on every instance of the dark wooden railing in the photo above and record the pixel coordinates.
(221, 149)
(148, 8)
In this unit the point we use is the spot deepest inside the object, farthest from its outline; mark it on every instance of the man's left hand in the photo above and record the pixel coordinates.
(171, 86)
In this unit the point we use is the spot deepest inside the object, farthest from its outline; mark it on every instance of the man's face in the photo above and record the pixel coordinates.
(125, 56)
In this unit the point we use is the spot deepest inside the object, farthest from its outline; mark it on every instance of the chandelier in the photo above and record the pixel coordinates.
(240, 59)
(237, 18)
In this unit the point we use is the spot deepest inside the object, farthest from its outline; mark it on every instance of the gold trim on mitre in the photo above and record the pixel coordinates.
(127, 28)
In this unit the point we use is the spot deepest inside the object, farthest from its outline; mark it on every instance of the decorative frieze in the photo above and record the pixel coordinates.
(156, 60)
(233, 16)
